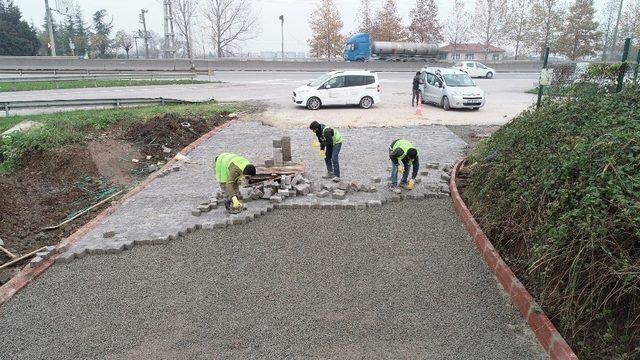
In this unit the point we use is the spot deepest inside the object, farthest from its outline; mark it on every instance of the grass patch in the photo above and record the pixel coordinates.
(558, 192)
(76, 84)
(73, 127)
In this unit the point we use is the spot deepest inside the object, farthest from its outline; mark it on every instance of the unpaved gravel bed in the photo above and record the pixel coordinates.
(399, 281)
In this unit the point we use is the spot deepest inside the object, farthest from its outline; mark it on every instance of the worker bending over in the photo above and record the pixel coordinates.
(403, 151)
(330, 145)
(230, 170)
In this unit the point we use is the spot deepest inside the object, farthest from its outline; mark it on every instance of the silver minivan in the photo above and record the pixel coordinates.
(450, 88)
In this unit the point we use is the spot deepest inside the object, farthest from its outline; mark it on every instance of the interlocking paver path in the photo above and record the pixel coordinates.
(402, 280)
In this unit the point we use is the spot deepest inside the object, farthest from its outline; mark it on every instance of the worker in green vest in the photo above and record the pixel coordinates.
(330, 145)
(230, 169)
(403, 151)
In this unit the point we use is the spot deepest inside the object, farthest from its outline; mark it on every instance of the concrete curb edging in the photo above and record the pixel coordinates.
(544, 330)
(28, 274)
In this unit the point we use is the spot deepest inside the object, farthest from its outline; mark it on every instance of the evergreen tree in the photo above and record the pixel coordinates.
(326, 24)
(580, 33)
(102, 29)
(17, 37)
(388, 24)
(81, 39)
(424, 22)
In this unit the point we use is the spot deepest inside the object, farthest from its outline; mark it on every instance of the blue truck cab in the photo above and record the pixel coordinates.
(358, 48)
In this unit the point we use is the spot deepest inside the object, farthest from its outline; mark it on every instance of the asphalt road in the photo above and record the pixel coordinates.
(400, 281)
(505, 93)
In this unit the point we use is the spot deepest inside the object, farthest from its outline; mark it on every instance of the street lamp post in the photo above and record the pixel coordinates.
(282, 34)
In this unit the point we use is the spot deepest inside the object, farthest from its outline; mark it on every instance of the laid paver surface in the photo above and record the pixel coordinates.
(399, 281)
(164, 207)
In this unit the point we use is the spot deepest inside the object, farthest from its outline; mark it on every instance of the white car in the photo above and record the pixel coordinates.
(475, 69)
(450, 88)
(349, 87)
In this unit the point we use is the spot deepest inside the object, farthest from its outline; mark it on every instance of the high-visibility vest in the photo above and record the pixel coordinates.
(223, 161)
(337, 138)
(405, 145)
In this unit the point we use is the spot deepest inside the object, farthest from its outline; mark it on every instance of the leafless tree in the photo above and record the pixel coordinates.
(518, 22)
(230, 22)
(490, 21)
(123, 40)
(457, 26)
(184, 11)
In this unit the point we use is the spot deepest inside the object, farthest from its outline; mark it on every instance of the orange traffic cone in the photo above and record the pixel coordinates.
(419, 107)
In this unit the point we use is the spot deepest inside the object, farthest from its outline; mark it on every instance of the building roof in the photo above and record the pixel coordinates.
(472, 48)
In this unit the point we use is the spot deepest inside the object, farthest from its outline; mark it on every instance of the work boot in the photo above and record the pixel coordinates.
(227, 205)
(328, 175)
(336, 179)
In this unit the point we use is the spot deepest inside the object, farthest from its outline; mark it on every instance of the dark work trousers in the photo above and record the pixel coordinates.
(415, 99)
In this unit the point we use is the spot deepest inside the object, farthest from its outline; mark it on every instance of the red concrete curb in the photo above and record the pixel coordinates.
(28, 274)
(544, 330)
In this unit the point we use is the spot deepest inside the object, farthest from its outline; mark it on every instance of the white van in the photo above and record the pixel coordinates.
(450, 88)
(475, 69)
(349, 87)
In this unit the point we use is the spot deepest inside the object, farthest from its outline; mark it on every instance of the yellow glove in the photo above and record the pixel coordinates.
(323, 154)
(401, 169)
(315, 145)
(410, 184)
(236, 203)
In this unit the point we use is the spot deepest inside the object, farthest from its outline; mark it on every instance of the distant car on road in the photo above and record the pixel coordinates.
(349, 87)
(450, 88)
(475, 69)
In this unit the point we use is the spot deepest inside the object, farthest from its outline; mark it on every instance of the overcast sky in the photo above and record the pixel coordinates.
(296, 12)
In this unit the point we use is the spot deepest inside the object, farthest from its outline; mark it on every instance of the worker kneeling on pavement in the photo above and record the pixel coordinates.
(330, 145)
(230, 170)
(403, 151)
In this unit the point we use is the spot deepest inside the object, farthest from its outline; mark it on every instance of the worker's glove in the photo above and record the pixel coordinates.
(235, 203)
(323, 154)
(401, 169)
(411, 184)
(315, 145)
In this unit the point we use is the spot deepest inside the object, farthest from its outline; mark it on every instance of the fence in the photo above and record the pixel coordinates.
(560, 80)
(7, 106)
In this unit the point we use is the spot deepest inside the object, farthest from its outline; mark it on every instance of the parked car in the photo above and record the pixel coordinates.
(450, 88)
(349, 87)
(475, 69)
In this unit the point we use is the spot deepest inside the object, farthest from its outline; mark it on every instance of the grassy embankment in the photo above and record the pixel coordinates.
(76, 84)
(73, 127)
(558, 193)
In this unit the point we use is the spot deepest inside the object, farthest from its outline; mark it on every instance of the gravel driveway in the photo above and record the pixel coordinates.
(398, 281)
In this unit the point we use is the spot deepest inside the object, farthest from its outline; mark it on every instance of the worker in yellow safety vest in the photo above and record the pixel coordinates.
(403, 151)
(330, 144)
(230, 170)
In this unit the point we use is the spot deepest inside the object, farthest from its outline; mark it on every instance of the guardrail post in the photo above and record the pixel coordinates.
(117, 103)
(6, 109)
(162, 100)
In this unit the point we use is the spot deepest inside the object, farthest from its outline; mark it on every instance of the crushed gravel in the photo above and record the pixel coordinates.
(399, 281)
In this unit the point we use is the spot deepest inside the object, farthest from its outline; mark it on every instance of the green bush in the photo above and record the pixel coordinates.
(74, 127)
(558, 192)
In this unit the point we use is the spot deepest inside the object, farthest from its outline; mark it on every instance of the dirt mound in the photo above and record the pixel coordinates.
(170, 131)
(50, 185)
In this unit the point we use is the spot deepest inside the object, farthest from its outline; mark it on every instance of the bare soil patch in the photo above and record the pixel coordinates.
(52, 185)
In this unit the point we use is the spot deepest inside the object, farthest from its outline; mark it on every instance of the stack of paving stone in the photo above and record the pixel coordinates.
(281, 152)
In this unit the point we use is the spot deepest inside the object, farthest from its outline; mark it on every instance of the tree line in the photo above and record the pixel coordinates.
(527, 26)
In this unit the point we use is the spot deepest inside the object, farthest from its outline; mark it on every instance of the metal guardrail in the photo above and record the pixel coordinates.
(7, 106)
(96, 77)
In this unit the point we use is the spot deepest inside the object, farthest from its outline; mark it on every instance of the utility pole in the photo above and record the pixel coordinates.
(169, 36)
(615, 29)
(135, 39)
(145, 35)
(52, 40)
(282, 34)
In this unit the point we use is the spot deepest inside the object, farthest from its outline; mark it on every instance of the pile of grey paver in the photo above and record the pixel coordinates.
(164, 210)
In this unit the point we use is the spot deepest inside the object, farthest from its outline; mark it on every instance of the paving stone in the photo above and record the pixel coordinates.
(418, 180)
(372, 189)
(445, 177)
(175, 168)
(108, 234)
(196, 213)
(43, 254)
(328, 187)
(36, 261)
(339, 195)
(302, 189)
(396, 190)
(276, 199)
(256, 194)
(322, 193)
(342, 185)
(374, 203)
(65, 258)
(277, 157)
(114, 248)
(283, 193)
(297, 179)
(52, 249)
(424, 173)
(433, 165)
(269, 163)
(277, 143)
(376, 179)
(204, 208)
(360, 206)
(97, 250)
